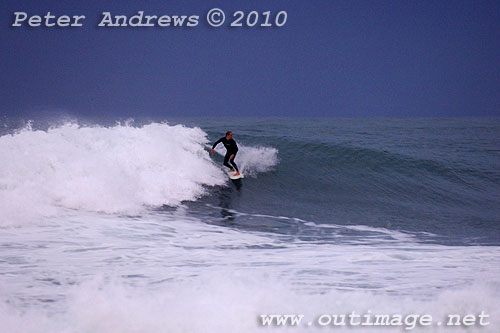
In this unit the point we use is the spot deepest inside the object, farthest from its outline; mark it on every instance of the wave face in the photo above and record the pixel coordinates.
(133, 226)
(436, 176)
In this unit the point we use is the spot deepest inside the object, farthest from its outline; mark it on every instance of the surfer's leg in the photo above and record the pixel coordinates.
(226, 159)
(234, 164)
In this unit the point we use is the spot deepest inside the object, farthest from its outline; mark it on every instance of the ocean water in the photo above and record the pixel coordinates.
(131, 226)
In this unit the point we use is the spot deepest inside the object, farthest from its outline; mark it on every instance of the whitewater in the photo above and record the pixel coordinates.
(134, 227)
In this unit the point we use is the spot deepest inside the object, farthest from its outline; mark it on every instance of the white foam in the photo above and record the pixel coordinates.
(115, 169)
(234, 303)
(192, 276)
(252, 160)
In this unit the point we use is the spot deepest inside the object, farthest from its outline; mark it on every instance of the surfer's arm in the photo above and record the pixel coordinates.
(215, 144)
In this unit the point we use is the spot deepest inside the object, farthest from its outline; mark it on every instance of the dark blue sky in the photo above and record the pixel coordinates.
(332, 58)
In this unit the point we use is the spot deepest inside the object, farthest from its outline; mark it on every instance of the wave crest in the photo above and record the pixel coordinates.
(115, 169)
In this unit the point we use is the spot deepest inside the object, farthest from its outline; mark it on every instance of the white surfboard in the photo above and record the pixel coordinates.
(232, 176)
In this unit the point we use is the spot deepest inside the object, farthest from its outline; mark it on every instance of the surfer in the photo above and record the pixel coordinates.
(231, 148)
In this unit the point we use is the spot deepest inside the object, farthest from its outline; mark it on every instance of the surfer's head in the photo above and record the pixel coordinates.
(229, 135)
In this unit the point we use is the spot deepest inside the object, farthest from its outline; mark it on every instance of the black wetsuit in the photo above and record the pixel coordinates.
(232, 148)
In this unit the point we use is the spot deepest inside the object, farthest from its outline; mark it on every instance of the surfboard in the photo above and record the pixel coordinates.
(232, 176)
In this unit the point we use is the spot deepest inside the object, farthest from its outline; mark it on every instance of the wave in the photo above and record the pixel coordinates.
(349, 168)
(339, 156)
(116, 169)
